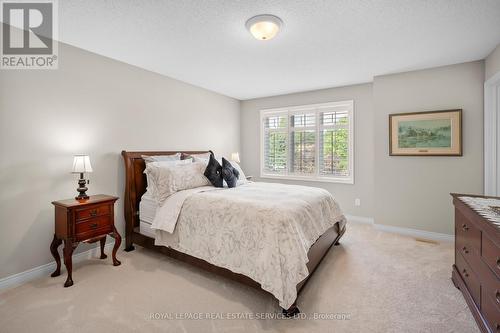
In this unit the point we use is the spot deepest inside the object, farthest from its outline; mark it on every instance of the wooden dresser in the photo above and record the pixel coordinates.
(476, 271)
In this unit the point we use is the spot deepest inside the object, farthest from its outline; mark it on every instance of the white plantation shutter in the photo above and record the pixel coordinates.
(276, 143)
(334, 139)
(303, 142)
(309, 142)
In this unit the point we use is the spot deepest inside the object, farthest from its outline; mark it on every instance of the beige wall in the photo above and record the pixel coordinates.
(413, 192)
(492, 63)
(93, 105)
(409, 192)
(364, 136)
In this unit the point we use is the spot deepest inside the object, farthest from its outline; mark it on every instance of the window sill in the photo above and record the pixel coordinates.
(349, 181)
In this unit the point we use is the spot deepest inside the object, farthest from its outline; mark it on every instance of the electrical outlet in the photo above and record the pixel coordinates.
(357, 202)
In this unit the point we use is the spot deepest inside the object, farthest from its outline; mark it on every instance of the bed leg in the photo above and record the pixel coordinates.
(128, 245)
(292, 311)
(129, 248)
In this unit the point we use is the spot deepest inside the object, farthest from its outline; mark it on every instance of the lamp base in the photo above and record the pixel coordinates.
(82, 197)
(82, 189)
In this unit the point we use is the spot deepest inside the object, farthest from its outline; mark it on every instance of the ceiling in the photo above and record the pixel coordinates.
(323, 43)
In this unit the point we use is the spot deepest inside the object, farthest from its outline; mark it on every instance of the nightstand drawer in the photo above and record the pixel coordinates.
(86, 227)
(93, 211)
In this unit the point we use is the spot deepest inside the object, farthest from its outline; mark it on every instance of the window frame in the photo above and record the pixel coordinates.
(316, 109)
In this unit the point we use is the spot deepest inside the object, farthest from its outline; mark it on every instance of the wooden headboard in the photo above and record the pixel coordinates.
(135, 183)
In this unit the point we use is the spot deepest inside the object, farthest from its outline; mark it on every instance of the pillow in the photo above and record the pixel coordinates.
(229, 174)
(169, 179)
(213, 171)
(158, 158)
(202, 155)
(151, 188)
(242, 179)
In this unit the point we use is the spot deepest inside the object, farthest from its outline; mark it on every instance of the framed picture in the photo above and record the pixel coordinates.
(433, 133)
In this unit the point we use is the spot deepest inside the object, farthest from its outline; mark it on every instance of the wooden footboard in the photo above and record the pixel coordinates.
(135, 187)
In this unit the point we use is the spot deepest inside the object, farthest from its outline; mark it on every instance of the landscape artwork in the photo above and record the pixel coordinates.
(435, 133)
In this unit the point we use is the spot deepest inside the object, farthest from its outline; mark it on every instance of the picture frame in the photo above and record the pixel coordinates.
(428, 133)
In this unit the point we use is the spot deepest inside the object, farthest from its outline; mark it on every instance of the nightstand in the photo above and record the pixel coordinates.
(86, 221)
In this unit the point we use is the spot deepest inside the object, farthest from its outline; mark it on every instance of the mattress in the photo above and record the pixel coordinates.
(146, 230)
(147, 212)
(147, 208)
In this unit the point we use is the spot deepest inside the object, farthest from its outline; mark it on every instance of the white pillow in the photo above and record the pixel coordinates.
(202, 155)
(151, 187)
(158, 158)
(169, 179)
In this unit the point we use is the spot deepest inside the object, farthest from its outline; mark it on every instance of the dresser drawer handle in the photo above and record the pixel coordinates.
(465, 250)
(93, 212)
(465, 272)
(498, 262)
(497, 296)
(465, 227)
(93, 226)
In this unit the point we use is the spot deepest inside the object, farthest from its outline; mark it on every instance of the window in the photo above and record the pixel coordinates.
(309, 142)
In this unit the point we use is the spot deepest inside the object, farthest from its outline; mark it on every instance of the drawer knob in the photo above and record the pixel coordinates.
(93, 212)
(93, 226)
(465, 250)
(465, 227)
(465, 272)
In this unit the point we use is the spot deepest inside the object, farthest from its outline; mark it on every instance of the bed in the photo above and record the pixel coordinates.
(277, 262)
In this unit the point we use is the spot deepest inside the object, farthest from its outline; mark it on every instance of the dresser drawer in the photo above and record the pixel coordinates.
(491, 255)
(92, 211)
(469, 277)
(491, 313)
(466, 249)
(467, 234)
(98, 225)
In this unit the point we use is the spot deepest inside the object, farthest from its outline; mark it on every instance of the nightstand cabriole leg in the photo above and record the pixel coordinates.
(68, 253)
(103, 243)
(53, 249)
(118, 241)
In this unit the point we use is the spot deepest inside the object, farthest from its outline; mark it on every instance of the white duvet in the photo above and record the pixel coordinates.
(261, 230)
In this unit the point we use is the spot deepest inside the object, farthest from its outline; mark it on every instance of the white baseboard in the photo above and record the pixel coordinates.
(435, 236)
(47, 269)
(360, 219)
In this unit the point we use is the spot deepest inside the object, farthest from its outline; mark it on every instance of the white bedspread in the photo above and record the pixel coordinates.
(261, 230)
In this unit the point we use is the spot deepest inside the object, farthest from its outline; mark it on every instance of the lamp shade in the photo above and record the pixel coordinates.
(235, 157)
(81, 164)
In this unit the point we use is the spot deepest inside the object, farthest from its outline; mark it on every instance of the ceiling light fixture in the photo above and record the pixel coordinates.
(264, 27)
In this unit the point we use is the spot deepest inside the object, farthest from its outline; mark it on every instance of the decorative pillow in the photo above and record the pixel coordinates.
(242, 179)
(214, 171)
(168, 178)
(159, 158)
(229, 173)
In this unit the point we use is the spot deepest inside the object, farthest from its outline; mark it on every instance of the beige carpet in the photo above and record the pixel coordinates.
(379, 281)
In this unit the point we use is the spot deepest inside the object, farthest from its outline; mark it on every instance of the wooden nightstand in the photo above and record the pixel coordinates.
(86, 221)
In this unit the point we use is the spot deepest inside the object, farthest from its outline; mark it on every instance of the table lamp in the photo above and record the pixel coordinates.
(81, 165)
(235, 157)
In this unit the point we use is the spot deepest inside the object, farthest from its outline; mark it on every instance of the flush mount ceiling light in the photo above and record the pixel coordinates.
(264, 27)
